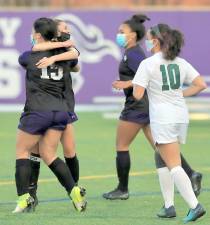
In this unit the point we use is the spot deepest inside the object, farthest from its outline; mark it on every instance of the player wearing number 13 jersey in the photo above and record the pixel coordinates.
(44, 87)
(45, 117)
(163, 75)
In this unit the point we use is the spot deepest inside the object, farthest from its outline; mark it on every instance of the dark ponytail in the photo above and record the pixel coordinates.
(171, 41)
(46, 27)
(136, 23)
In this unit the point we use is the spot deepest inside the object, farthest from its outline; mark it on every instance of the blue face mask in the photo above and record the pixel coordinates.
(149, 45)
(121, 40)
(33, 41)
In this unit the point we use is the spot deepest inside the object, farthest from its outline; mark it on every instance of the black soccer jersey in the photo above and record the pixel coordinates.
(127, 69)
(69, 93)
(44, 87)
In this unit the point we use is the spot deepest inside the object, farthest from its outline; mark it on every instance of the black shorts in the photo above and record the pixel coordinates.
(134, 116)
(72, 117)
(39, 122)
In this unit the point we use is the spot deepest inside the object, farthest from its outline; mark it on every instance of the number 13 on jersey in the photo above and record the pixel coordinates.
(52, 72)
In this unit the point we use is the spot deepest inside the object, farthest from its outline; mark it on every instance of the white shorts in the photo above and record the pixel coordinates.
(169, 133)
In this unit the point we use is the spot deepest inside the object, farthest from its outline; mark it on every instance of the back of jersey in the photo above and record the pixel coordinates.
(164, 80)
(44, 87)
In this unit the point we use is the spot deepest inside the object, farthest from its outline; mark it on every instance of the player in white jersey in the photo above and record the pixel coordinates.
(163, 76)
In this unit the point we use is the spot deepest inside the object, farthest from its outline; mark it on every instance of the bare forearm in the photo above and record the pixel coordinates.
(192, 90)
(65, 56)
(47, 46)
(138, 92)
(129, 83)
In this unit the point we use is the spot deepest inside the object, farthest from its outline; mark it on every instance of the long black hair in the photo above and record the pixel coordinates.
(136, 23)
(171, 40)
(46, 27)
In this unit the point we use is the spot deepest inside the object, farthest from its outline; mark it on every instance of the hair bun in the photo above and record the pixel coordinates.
(140, 18)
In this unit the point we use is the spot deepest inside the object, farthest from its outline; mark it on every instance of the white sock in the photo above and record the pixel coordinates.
(184, 186)
(166, 186)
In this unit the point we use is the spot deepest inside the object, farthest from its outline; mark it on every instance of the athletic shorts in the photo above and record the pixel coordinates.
(169, 133)
(72, 117)
(134, 116)
(39, 122)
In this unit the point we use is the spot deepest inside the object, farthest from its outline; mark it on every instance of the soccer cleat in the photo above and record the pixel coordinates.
(196, 179)
(116, 194)
(167, 212)
(77, 196)
(32, 207)
(194, 214)
(24, 202)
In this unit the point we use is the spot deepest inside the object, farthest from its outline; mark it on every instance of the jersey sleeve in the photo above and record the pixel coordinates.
(142, 75)
(72, 63)
(191, 73)
(134, 59)
(23, 59)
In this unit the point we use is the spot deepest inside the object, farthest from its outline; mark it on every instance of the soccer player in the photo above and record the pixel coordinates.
(163, 76)
(45, 117)
(67, 138)
(135, 115)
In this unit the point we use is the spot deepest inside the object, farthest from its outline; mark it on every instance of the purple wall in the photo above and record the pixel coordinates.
(94, 33)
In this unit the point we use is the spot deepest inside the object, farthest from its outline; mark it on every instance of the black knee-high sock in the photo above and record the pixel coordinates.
(159, 161)
(73, 165)
(189, 171)
(61, 171)
(35, 168)
(123, 168)
(22, 176)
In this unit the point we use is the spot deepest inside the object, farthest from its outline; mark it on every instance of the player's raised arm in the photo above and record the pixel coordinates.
(51, 45)
(69, 55)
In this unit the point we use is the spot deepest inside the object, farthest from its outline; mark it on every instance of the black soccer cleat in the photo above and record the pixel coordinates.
(196, 179)
(167, 212)
(116, 194)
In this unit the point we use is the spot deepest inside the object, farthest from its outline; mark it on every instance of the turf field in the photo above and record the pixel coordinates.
(95, 143)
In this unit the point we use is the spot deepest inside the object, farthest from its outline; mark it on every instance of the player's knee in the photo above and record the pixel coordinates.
(69, 152)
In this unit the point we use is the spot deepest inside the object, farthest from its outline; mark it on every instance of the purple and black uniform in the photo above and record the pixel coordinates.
(69, 94)
(134, 111)
(45, 105)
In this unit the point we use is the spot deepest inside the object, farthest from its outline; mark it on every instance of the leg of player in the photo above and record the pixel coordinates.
(25, 142)
(35, 160)
(166, 182)
(47, 148)
(170, 153)
(126, 132)
(72, 162)
(69, 151)
(167, 188)
(195, 177)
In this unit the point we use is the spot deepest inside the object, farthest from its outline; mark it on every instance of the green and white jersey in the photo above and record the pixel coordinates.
(163, 80)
